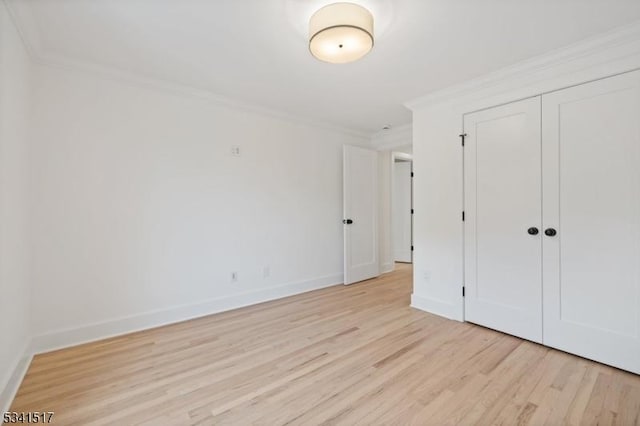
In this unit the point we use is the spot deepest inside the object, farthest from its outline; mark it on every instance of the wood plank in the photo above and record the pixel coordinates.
(341, 355)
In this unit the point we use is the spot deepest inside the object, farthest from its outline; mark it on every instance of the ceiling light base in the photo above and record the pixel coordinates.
(340, 33)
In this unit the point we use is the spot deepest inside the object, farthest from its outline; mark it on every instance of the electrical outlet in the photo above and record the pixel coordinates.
(235, 151)
(234, 277)
(266, 272)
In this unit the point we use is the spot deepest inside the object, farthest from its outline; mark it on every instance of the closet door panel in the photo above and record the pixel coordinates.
(591, 197)
(502, 201)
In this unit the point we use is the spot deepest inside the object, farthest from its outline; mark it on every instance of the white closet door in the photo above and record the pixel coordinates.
(591, 187)
(503, 271)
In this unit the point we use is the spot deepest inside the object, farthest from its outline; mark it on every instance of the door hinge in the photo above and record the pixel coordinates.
(463, 215)
(411, 211)
(462, 291)
(463, 136)
(411, 174)
(411, 248)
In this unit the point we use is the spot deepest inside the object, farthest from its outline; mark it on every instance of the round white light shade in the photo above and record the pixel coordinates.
(341, 33)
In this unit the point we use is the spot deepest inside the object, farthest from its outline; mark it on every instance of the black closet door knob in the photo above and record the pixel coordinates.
(550, 232)
(533, 230)
(347, 221)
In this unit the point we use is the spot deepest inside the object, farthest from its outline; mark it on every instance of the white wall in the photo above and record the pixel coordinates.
(15, 70)
(437, 200)
(141, 214)
(438, 155)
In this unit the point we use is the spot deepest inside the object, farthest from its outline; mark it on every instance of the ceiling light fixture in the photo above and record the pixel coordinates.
(341, 33)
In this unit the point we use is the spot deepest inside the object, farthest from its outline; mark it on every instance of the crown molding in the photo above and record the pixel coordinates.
(607, 47)
(393, 138)
(140, 80)
(27, 29)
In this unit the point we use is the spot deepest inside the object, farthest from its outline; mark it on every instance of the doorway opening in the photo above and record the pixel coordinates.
(402, 207)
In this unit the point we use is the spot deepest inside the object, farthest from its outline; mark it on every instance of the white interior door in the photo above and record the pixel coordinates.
(360, 214)
(591, 148)
(402, 211)
(503, 251)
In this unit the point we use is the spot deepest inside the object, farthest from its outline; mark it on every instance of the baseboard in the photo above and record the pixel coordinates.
(8, 393)
(89, 333)
(386, 267)
(435, 307)
(403, 255)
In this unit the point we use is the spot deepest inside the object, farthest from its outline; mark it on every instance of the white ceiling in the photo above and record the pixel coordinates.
(255, 51)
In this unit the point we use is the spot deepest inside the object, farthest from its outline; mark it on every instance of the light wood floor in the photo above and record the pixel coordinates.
(342, 355)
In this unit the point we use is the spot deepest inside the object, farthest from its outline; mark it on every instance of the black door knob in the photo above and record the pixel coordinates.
(550, 232)
(347, 221)
(533, 230)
